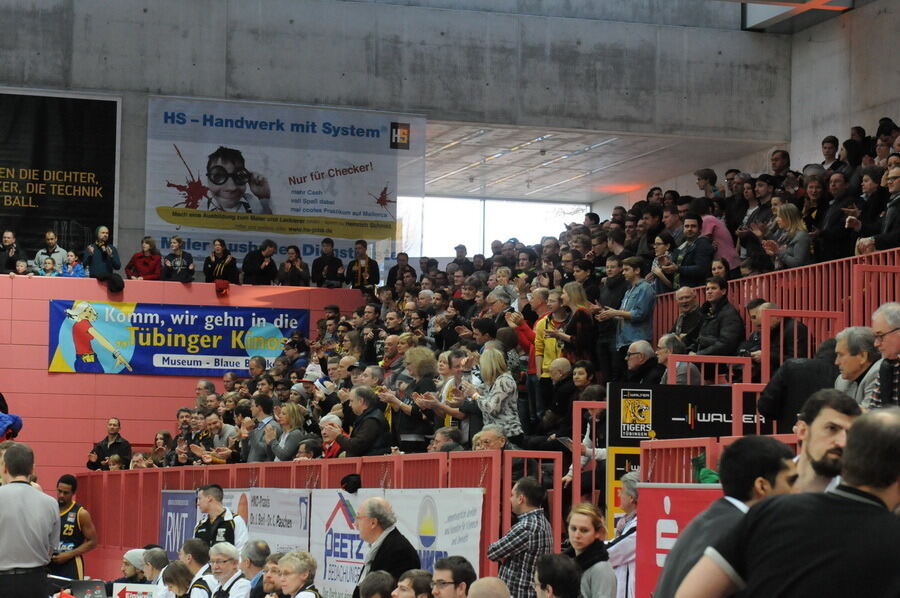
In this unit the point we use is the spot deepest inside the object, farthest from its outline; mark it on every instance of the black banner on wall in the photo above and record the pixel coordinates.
(57, 167)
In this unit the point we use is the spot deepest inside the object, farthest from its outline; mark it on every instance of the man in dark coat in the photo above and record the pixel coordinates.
(691, 261)
(793, 383)
(389, 550)
(259, 267)
(722, 329)
(643, 367)
(750, 469)
(371, 434)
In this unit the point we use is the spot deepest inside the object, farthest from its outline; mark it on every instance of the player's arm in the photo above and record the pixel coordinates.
(707, 580)
(90, 538)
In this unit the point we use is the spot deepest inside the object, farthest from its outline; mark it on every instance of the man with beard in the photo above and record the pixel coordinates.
(822, 431)
(270, 580)
(77, 534)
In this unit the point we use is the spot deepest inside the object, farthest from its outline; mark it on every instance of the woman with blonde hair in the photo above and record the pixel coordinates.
(284, 447)
(794, 248)
(497, 397)
(579, 335)
(587, 530)
(412, 424)
(297, 572)
(407, 340)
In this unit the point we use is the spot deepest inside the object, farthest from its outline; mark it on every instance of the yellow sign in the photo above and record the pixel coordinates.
(619, 461)
(345, 228)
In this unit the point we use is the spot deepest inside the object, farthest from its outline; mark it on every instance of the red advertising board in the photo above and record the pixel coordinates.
(664, 510)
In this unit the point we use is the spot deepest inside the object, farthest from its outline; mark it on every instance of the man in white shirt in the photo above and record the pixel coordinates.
(225, 560)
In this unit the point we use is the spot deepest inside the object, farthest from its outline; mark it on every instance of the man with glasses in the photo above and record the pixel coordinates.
(223, 559)
(890, 223)
(886, 325)
(227, 178)
(389, 550)
(452, 577)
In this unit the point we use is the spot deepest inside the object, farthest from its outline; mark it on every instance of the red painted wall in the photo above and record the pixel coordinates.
(65, 414)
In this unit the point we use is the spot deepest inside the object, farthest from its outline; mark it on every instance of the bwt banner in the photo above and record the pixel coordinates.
(295, 174)
(178, 340)
(280, 516)
(57, 167)
(438, 523)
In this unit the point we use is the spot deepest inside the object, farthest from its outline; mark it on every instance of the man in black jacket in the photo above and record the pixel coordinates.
(389, 550)
(259, 267)
(687, 324)
(691, 261)
(113, 444)
(327, 269)
(793, 383)
(610, 295)
(371, 435)
(722, 329)
(362, 272)
(643, 367)
(10, 253)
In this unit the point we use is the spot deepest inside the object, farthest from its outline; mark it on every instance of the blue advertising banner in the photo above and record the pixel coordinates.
(178, 518)
(105, 337)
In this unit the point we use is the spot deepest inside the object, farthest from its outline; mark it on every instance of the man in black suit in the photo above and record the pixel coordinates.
(389, 549)
(750, 469)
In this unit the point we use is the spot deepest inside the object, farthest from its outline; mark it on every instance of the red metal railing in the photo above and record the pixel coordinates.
(669, 461)
(829, 286)
(738, 395)
(872, 286)
(578, 410)
(711, 368)
(788, 439)
(532, 464)
(799, 338)
(102, 492)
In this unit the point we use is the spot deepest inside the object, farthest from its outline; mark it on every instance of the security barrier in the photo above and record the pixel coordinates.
(670, 460)
(829, 286)
(799, 332)
(714, 369)
(125, 505)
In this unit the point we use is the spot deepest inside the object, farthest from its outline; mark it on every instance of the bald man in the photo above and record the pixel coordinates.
(489, 587)
(687, 325)
(558, 416)
(389, 549)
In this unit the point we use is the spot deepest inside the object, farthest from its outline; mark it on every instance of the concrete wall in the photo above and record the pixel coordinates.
(844, 73)
(513, 62)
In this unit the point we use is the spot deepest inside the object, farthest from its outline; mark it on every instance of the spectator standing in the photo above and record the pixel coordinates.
(50, 249)
(462, 261)
(327, 269)
(293, 272)
(362, 272)
(31, 526)
(101, 258)
(529, 538)
(722, 329)
(220, 264)
(113, 444)
(146, 264)
(179, 264)
(259, 267)
(497, 397)
(579, 335)
(635, 316)
(689, 265)
(371, 433)
(256, 448)
(10, 253)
